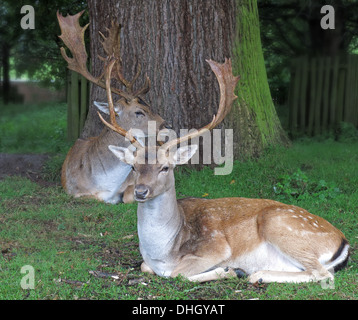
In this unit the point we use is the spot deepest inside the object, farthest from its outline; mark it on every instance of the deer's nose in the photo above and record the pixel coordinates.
(141, 192)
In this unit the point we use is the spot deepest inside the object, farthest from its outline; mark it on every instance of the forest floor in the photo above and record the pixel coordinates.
(25, 165)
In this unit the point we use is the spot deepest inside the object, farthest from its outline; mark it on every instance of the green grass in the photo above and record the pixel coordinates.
(33, 128)
(66, 240)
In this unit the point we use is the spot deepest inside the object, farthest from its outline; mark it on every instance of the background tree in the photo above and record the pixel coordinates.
(172, 39)
(292, 28)
(8, 36)
(33, 52)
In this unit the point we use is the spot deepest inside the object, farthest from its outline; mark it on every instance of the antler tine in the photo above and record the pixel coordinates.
(111, 45)
(144, 89)
(73, 37)
(114, 125)
(227, 84)
(128, 84)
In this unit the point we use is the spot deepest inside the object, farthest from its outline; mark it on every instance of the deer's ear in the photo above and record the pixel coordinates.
(103, 106)
(184, 154)
(123, 154)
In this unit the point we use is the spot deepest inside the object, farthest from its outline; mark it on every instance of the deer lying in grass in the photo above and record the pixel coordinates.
(207, 239)
(90, 169)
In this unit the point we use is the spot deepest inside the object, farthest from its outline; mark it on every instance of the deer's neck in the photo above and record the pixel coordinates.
(101, 154)
(109, 173)
(109, 137)
(159, 226)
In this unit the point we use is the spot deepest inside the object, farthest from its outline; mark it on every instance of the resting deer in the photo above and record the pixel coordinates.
(90, 169)
(207, 239)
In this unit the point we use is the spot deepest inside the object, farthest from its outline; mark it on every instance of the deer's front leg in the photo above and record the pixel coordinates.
(204, 265)
(146, 269)
(128, 195)
(127, 189)
(216, 274)
(196, 269)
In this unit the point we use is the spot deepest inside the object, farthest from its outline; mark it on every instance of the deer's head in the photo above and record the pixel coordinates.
(133, 114)
(153, 179)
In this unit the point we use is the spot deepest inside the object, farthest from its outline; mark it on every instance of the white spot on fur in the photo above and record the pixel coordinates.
(290, 210)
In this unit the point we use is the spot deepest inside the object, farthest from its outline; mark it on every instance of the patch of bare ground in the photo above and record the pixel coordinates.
(24, 165)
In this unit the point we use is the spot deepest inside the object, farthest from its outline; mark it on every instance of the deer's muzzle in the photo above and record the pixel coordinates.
(141, 192)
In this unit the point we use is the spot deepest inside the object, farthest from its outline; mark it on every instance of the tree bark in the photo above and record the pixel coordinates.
(171, 39)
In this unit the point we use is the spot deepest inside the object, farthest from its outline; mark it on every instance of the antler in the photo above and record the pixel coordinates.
(227, 84)
(111, 46)
(110, 62)
(73, 37)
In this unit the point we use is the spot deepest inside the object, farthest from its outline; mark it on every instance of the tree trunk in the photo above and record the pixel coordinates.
(6, 72)
(254, 118)
(171, 39)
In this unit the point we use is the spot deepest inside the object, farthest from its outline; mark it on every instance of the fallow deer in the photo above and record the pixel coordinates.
(207, 239)
(90, 169)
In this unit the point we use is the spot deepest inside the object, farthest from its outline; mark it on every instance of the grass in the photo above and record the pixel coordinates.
(74, 245)
(33, 128)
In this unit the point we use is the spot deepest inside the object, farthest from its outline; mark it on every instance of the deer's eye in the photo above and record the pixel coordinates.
(139, 114)
(164, 169)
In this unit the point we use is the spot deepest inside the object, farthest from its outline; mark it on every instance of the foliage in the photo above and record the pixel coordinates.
(292, 28)
(297, 185)
(347, 132)
(36, 53)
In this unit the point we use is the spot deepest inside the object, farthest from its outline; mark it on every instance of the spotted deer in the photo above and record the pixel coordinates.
(208, 239)
(90, 169)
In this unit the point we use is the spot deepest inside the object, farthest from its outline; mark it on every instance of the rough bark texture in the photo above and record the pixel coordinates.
(171, 39)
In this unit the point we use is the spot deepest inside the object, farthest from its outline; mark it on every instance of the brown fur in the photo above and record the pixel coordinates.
(90, 157)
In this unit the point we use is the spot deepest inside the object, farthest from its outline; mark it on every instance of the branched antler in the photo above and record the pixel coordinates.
(73, 37)
(227, 83)
(110, 62)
